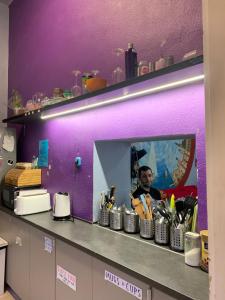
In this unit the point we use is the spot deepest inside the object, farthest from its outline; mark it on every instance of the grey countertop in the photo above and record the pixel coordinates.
(147, 261)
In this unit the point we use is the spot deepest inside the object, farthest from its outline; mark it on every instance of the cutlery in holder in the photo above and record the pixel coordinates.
(131, 221)
(147, 228)
(162, 232)
(116, 218)
(104, 216)
(177, 237)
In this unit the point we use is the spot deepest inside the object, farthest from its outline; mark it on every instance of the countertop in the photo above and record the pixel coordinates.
(153, 264)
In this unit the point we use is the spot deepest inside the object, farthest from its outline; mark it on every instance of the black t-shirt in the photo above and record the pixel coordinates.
(154, 193)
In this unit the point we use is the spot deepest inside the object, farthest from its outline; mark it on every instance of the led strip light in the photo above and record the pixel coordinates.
(153, 90)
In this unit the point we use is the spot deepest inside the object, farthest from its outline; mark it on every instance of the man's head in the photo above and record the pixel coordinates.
(145, 175)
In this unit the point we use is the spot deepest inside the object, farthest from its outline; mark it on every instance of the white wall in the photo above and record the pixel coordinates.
(214, 45)
(4, 36)
(114, 171)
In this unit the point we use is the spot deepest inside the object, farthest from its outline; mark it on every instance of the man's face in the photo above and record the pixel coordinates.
(146, 178)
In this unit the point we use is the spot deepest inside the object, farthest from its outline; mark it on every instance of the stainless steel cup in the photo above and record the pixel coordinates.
(147, 229)
(177, 237)
(131, 221)
(116, 219)
(162, 233)
(104, 217)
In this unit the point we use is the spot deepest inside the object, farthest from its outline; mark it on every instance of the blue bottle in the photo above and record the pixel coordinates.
(131, 62)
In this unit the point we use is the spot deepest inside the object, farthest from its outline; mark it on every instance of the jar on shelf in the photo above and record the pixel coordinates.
(204, 264)
(151, 66)
(57, 92)
(192, 249)
(143, 67)
(84, 78)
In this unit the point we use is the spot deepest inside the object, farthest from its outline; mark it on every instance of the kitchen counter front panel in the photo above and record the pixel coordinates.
(154, 265)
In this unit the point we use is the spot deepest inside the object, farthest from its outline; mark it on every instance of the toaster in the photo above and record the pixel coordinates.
(9, 193)
(31, 204)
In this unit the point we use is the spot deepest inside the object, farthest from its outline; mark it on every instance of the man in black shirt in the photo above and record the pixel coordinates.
(145, 176)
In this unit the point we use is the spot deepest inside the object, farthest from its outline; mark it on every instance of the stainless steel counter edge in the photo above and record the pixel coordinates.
(154, 265)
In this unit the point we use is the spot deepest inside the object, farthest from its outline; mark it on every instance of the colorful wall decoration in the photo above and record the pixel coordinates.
(173, 162)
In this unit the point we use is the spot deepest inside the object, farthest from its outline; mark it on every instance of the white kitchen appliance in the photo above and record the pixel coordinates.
(31, 202)
(61, 206)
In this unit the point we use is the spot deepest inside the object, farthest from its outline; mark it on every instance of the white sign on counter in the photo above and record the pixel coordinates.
(123, 284)
(67, 278)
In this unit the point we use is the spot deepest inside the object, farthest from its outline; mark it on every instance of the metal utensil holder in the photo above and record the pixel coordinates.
(162, 231)
(131, 222)
(104, 217)
(177, 237)
(116, 219)
(147, 228)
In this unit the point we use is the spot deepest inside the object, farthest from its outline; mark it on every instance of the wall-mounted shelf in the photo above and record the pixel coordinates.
(35, 114)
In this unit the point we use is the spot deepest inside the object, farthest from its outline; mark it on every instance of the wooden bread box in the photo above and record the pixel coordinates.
(23, 177)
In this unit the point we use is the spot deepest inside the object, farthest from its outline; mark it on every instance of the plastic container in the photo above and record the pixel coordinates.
(116, 219)
(147, 229)
(131, 221)
(3, 246)
(192, 249)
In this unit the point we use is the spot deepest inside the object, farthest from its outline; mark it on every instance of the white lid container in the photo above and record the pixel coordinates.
(192, 249)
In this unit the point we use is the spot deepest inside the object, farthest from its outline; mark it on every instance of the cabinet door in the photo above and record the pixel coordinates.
(5, 226)
(17, 267)
(110, 283)
(159, 295)
(74, 273)
(7, 232)
(42, 265)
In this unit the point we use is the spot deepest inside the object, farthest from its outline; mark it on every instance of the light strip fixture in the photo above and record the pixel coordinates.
(126, 97)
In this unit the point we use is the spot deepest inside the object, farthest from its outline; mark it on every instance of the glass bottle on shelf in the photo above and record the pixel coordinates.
(76, 89)
(118, 72)
(131, 61)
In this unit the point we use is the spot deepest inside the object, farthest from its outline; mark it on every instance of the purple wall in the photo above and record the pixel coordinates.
(176, 112)
(50, 38)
